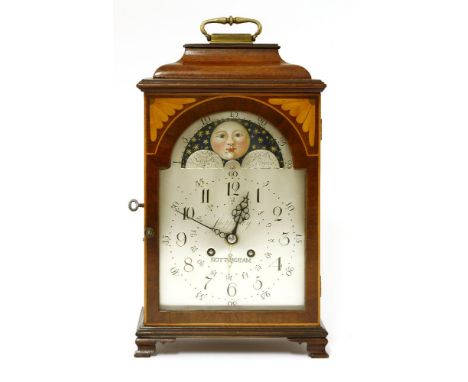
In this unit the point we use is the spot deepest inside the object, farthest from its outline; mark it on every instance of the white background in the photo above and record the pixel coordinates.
(394, 224)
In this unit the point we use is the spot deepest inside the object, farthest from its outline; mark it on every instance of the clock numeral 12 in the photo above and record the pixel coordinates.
(232, 188)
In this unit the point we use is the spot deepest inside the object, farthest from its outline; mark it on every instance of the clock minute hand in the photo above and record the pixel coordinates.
(215, 230)
(219, 232)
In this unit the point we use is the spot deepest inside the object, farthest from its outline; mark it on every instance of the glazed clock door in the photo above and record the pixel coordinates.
(232, 218)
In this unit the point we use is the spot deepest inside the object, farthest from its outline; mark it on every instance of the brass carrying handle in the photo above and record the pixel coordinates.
(233, 37)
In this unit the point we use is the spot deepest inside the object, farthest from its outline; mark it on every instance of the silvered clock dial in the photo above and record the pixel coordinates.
(231, 218)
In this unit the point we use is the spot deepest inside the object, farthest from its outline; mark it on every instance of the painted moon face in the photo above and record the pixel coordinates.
(230, 140)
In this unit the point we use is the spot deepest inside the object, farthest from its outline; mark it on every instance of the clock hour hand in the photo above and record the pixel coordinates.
(240, 214)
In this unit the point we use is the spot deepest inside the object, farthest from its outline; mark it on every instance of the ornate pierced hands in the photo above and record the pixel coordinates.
(217, 232)
(240, 214)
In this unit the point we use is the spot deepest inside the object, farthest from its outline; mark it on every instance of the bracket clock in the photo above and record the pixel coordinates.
(232, 196)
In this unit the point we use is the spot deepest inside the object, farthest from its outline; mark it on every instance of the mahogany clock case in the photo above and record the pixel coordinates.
(213, 78)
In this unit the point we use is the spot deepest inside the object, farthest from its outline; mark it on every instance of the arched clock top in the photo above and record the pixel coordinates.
(294, 119)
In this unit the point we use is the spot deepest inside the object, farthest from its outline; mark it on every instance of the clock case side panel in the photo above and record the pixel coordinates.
(151, 218)
(157, 156)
